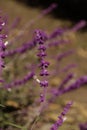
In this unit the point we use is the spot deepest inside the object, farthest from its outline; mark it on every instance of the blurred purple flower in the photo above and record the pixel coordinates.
(75, 85)
(65, 81)
(15, 22)
(57, 43)
(68, 67)
(61, 118)
(16, 83)
(2, 44)
(25, 47)
(49, 9)
(64, 54)
(57, 32)
(30, 23)
(79, 25)
(83, 126)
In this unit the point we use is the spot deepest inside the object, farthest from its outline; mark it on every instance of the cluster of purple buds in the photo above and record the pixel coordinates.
(62, 117)
(2, 45)
(40, 38)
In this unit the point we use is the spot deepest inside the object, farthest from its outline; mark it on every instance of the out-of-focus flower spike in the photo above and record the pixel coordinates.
(20, 82)
(79, 25)
(57, 43)
(38, 17)
(64, 54)
(61, 117)
(15, 22)
(57, 32)
(50, 8)
(25, 47)
(68, 67)
(75, 85)
(83, 126)
(65, 81)
(2, 44)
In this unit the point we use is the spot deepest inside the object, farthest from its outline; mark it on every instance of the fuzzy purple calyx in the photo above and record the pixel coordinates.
(41, 97)
(42, 47)
(41, 54)
(44, 72)
(44, 64)
(44, 83)
(40, 37)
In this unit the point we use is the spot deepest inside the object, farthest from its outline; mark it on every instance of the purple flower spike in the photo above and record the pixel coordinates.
(57, 32)
(1, 24)
(1, 80)
(68, 67)
(44, 72)
(15, 23)
(2, 45)
(61, 118)
(41, 54)
(75, 85)
(19, 82)
(79, 25)
(64, 54)
(44, 83)
(43, 64)
(66, 80)
(25, 47)
(59, 42)
(40, 39)
(50, 8)
(42, 97)
(42, 47)
(83, 126)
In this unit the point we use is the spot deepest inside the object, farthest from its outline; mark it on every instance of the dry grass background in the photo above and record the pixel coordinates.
(79, 42)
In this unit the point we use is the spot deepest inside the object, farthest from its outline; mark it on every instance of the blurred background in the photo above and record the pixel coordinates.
(74, 9)
(19, 102)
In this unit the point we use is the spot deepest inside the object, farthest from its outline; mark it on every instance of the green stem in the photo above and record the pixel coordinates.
(11, 124)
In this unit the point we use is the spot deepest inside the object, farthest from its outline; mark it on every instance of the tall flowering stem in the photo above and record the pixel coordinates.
(61, 117)
(2, 45)
(40, 39)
